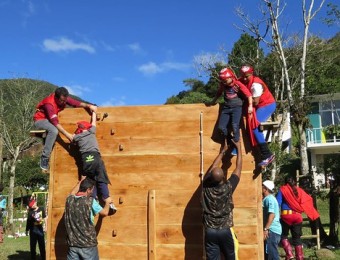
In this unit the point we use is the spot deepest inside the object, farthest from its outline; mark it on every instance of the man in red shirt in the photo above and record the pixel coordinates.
(46, 118)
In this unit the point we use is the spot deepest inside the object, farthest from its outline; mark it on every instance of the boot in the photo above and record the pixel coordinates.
(299, 252)
(1, 234)
(288, 249)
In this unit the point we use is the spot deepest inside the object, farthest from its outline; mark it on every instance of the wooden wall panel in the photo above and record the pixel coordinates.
(159, 155)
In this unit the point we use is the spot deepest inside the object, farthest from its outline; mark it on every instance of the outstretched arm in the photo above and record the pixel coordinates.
(93, 108)
(93, 118)
(105, 211)
(218, 94)
(238, 168)
(64, 132)
(217, 160)
(76, 187)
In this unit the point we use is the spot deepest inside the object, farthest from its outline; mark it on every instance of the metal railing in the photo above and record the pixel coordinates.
(318, 136)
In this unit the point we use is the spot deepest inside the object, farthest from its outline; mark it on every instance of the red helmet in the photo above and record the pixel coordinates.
(245, 70)
(82, 125)
(226, 73)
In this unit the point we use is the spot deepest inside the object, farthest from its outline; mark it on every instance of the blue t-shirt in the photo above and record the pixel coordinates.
(2, 202)
(270, 205)
(96, 208)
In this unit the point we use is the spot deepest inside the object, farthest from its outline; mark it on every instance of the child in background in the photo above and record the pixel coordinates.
(233, 92)
(92, 163)
(35, 227)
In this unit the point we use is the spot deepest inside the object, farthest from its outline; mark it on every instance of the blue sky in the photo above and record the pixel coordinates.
(118, 52)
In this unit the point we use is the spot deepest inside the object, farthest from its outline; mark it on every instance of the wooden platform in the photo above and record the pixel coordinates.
(154, 156)
(38, 133)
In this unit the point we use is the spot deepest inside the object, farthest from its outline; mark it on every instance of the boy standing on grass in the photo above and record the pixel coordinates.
(35, 220)
(92, 163)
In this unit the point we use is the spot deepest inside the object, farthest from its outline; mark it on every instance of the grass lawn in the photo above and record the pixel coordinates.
(16, 249)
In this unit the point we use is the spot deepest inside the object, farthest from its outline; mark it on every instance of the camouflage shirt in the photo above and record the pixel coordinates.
(79, 227)
(218, 204)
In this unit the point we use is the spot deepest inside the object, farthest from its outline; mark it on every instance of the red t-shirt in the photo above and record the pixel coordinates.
(48, 108)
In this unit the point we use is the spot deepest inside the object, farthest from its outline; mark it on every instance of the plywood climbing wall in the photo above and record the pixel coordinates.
(154, 156)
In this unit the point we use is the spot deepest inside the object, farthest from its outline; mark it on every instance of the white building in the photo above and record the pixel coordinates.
(325, 112)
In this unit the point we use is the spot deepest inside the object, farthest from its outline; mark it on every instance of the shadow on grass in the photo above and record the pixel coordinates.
(20, 255)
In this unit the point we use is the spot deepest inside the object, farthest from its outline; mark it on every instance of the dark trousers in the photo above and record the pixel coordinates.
(37, 236)
(102, 189)
(234, 114)
(221, 240)
(295, 229)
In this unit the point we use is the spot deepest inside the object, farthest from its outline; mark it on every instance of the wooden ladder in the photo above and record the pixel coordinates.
(317, 235)
(38, 133)
(270, 126)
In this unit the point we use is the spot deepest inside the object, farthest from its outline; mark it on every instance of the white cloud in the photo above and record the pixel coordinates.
(114, 102)
(65, 45)
(107, 47)
(152, 68)
(31, 8)
(134, 47)
(77, 90)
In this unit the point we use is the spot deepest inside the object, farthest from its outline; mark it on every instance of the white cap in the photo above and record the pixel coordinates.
(269, 184)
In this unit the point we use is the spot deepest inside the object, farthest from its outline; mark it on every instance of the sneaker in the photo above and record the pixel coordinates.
(234, 152)
(267, 161)
(44, 163)
(112, 209)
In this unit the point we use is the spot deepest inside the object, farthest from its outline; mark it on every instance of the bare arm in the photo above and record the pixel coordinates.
(267, 225)
(213, 101)
(250, 105)
(217, 160)
(64, 132)
(93, 108)
(76, 188)
(93, 118)
(105, 211)
(256, 101)
(238, 168)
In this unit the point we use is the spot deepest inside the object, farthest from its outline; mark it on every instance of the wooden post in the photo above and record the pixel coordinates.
(152, 225)
(202, 171)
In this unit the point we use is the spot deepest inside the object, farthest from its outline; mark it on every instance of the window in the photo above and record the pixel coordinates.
(326, 118)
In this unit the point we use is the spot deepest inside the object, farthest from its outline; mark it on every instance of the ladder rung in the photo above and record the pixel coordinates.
(310, 236)
(38, 133)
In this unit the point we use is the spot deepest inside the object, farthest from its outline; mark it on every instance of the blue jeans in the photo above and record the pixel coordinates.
(82, 253)
(262, 115)
(271, 246)
(52, 133)
(234, 114)
(221, 240)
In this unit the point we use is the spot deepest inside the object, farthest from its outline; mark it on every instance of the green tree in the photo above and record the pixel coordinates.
(245, 51)
(29, 175)
(17, 106)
